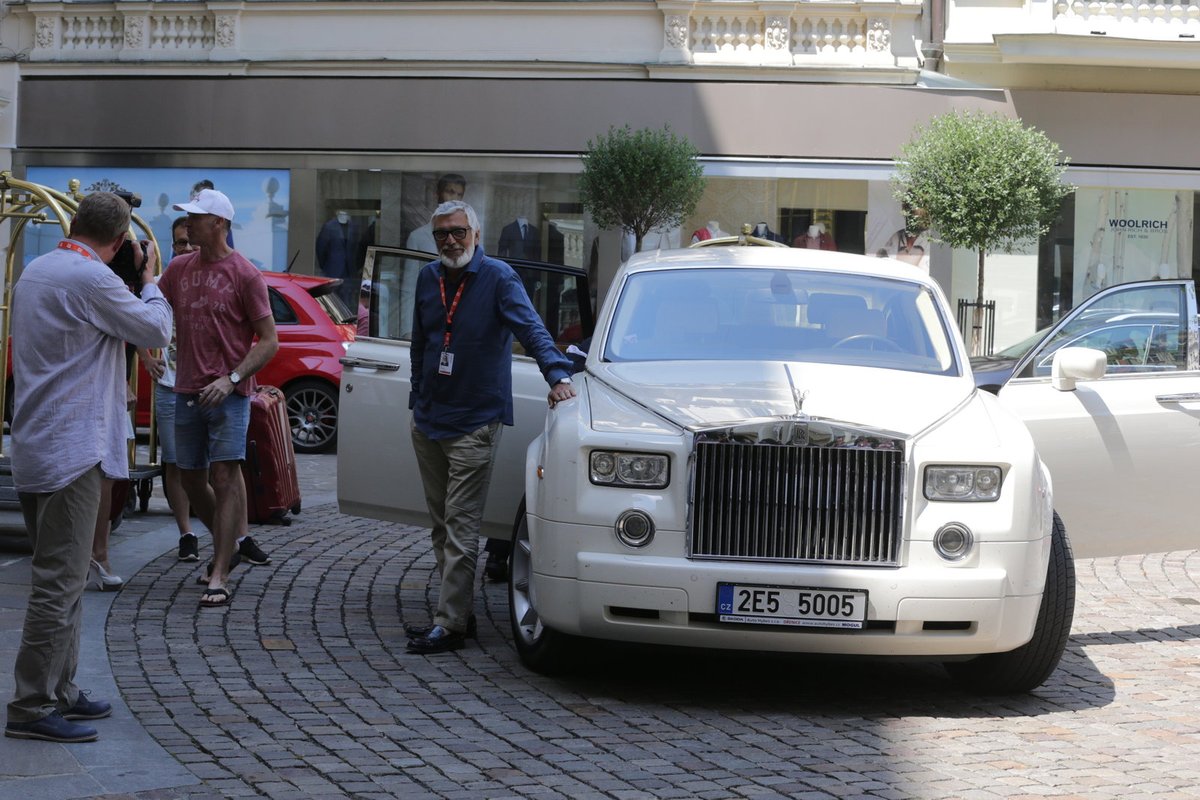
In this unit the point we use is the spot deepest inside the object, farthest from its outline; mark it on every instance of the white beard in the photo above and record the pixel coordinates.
(463, 260)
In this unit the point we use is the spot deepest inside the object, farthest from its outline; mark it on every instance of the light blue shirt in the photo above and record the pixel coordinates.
(71, 318)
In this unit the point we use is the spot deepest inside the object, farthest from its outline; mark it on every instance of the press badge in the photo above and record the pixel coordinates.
(446, 363)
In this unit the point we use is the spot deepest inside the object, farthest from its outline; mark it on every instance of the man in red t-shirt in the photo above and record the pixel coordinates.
(221, 304)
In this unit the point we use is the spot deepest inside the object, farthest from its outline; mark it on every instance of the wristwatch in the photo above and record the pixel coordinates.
(235, 378)
(564, 380)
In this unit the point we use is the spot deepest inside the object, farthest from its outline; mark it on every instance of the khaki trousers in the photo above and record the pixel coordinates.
(60, 525)
(455, 474)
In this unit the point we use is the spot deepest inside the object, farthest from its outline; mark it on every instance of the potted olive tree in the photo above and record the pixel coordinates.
(640, 180)
(981, 182)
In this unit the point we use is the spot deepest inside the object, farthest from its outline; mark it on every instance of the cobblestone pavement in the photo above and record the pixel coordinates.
(302, 688)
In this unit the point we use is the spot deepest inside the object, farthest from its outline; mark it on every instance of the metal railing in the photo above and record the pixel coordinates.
(987, 327)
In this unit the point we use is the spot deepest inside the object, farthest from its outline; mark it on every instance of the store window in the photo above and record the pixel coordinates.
(818, 214)
(1105, 236)
(259, 197)
(534, 216)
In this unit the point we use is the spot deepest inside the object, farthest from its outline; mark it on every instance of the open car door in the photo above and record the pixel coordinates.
(1123, 451)
(377, 470)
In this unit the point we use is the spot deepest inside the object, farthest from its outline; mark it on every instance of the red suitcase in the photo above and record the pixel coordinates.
(272, 487)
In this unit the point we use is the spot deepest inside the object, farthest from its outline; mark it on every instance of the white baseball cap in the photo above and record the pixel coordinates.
(209, 201)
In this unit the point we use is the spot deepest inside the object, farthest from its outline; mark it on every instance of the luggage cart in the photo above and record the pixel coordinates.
(23, 203)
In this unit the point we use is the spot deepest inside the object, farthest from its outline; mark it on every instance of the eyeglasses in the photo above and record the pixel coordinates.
(181, 244)
(441, 234)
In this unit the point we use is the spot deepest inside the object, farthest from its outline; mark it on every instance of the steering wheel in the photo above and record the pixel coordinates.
(870, 340)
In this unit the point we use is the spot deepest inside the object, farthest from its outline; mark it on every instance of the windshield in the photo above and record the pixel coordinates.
(779, 315)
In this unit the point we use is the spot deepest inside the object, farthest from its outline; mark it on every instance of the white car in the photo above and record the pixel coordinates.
(777, 449)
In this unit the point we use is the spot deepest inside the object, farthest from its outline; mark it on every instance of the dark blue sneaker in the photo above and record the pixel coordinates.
(51, 729)
(88, 709)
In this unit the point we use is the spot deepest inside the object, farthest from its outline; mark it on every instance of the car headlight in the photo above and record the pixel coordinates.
(962, 483)
(637, 470)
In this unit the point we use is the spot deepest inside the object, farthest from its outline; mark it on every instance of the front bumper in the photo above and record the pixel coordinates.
(930, 610)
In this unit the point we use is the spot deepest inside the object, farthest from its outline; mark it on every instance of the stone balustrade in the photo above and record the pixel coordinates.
(127, 32)
(829, 33)
(789, 34)
(1129, 20)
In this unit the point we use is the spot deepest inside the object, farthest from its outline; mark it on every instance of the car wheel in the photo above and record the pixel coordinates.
(1028, 667)
(540, 648)
(312, 409)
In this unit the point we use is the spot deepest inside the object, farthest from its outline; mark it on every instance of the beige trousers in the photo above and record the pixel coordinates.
(455, 474)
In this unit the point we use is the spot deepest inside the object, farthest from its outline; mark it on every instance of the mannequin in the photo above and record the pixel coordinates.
(909, 246)
(340, 248)
(712, 230)
(763, 231)
(815, 238)
(520, 239)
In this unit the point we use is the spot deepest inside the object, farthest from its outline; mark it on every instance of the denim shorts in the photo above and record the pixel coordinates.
(203, 435)
(164, 417)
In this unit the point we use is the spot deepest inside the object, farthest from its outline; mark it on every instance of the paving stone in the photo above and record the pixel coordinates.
(302, 688)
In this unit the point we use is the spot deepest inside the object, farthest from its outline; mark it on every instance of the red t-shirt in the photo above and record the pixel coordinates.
(215, 306)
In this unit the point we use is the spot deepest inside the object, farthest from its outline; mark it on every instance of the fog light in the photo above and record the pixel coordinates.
(953, 541)
(635, 528)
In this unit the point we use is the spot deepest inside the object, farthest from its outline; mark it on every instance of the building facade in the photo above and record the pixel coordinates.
(334, 121)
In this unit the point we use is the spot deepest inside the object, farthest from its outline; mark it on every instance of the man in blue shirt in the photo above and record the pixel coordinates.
(468, 308)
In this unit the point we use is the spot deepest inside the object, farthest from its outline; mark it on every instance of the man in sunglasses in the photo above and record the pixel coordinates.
(467, 310)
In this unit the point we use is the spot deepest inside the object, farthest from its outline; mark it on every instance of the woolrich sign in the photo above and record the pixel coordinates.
(1126, 235)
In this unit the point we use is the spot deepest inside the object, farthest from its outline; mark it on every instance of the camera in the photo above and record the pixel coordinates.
(133, 198)
(125, 264)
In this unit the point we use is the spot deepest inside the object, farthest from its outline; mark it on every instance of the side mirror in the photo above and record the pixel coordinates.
(1073, 364)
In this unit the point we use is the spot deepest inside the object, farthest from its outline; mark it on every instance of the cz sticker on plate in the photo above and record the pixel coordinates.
(800, 606)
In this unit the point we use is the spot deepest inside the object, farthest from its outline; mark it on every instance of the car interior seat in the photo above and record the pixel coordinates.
(843, 316)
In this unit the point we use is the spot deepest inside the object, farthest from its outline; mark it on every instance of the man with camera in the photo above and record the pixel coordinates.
(71, 317)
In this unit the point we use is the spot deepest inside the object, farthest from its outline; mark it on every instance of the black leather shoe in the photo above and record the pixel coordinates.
(438, 640)
(415, 631)
(496, 568)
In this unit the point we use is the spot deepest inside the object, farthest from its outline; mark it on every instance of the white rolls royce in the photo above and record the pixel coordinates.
(785, 450)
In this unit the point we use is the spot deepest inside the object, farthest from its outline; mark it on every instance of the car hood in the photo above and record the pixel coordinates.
(704, 394)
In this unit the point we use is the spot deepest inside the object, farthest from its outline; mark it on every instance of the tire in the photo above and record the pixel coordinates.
(1028, 667)
(541, 649)
(312, 409)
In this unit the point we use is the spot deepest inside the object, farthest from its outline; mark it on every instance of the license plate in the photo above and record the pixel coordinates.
(800, 606)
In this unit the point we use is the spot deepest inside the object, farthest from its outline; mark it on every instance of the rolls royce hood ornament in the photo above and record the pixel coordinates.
(798, 396)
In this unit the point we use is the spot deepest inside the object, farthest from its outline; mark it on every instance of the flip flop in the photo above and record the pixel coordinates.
(215, 597)
(202, 580)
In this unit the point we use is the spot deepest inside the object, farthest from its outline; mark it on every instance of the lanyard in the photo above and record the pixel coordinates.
(75, 248)
(462, 284)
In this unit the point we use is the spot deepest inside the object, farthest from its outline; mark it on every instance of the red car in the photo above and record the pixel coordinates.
(315, 328)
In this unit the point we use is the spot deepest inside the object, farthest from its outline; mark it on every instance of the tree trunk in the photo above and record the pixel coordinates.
(977, 317)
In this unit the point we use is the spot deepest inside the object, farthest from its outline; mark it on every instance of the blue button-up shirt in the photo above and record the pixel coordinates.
(493, 309)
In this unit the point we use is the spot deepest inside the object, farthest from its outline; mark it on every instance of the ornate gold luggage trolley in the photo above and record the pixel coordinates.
(22, 203)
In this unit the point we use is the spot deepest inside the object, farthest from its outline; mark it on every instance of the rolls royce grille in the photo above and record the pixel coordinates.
(780, 502)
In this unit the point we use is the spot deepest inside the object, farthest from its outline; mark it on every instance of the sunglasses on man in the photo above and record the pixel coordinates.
(442, 234)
